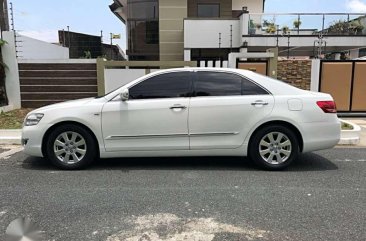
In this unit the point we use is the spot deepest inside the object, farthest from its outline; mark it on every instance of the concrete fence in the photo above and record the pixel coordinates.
(113, 74)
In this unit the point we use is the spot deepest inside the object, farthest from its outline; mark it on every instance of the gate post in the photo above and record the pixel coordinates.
(100, 76)
(272, 63)
(315, 75)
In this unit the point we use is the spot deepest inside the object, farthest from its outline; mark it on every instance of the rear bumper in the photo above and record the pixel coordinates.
(321, 135)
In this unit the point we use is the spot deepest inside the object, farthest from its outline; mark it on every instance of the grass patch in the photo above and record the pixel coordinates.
(346, 126)
(13, 119)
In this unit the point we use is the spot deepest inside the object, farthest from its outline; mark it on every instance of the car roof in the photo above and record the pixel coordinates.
(276, 87)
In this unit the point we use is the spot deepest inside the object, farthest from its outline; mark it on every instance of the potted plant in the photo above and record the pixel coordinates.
(271, 28)
(285, 30)
(251, 27)
(297, 24)
(356, 27)
(258, 26)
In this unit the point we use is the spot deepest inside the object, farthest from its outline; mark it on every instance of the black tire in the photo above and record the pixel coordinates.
(254, 147)
(90, 147)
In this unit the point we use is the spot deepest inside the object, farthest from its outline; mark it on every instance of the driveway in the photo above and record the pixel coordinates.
(321, 197)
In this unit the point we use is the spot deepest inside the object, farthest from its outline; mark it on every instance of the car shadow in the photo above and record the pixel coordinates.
(305, 162)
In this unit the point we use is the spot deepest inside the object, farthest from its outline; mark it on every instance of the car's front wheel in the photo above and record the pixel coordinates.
(274, 147)
(70, 147)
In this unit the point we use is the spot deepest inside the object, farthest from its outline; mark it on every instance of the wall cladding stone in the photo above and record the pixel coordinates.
(295, 72)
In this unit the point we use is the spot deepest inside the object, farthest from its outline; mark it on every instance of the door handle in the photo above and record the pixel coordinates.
(178, 107)
(259, 102)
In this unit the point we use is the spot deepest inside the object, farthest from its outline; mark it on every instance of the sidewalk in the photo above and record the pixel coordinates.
(10, 137)
(362, 124)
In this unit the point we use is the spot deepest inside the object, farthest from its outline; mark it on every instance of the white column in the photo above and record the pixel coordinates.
(12, 73)
(244, 23)
(315, 73)
(187, 55)
(354, 53)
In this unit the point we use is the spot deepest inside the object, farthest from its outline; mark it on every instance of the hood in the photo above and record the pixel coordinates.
(70, 103)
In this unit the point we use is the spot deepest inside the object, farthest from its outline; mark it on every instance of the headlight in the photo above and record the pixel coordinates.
(33, 119)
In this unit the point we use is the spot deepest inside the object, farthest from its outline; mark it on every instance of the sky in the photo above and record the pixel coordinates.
(41, 19)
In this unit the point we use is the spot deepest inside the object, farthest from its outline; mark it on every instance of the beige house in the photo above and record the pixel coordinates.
(208, 31)
(155, 28)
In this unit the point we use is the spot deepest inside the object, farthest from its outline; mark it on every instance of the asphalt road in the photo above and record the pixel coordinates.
(321, 197)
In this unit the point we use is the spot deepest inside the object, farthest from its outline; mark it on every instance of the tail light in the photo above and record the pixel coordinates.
(327, 106)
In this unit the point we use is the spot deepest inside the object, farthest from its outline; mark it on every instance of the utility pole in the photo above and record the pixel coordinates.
(111, 50)
(69, 37)
(101, 43)
(4, 19)
(277, 29)
(288, 45)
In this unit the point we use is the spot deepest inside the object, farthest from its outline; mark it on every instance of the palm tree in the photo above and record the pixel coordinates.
(4, 25)
(3, 95)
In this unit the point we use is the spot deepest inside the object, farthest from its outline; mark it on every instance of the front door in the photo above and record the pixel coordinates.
(154, 118)
(223, 109)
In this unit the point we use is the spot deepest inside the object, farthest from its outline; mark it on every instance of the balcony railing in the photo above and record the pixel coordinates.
(307, 24)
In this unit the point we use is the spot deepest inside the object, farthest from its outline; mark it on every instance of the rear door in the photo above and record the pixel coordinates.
(223, 109)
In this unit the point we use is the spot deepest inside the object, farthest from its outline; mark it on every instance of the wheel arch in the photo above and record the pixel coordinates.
(53, 127)
(281, 123)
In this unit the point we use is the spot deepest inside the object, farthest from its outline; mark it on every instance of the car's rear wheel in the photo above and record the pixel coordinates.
(274, 147)
(71, 147)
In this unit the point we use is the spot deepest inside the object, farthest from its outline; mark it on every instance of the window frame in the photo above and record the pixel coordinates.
(206, 4)
(243, 78)
(189, 93)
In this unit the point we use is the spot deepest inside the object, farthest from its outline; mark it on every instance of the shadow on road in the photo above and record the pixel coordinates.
(306, 162)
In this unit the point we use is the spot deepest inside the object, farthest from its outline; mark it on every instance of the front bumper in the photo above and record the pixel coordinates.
(32, 137)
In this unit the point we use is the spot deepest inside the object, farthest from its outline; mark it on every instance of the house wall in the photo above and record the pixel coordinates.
(254, 6)
(12, 73)
(205, 33)
(115, 78)
(31, 48)
(171, 32)
(295, 72)
(225, 7)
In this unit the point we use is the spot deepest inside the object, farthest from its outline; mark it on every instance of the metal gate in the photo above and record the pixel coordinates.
(346, 82)
(47, 83)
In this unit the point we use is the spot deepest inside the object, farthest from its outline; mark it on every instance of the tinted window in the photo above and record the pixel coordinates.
(217, 84)
(249, 88)
(152, 32)
(208, 10)
(170, 85)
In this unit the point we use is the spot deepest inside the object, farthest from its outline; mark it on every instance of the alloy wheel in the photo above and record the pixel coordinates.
(275, 148)
(70, 147)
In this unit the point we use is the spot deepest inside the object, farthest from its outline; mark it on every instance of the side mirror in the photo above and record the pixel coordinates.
(125, 95)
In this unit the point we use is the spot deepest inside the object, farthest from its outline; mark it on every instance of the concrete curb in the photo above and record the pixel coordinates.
(350, 137)
(11, 137)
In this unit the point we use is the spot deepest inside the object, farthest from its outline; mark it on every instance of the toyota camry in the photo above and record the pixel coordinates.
(186, 112)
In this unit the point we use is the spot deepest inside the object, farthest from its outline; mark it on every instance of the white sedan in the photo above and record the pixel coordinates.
(186, 112)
